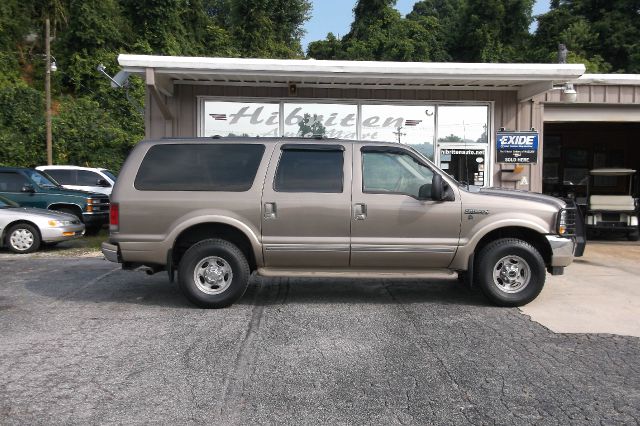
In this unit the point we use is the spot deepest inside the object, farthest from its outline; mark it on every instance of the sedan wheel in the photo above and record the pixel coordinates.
(23, 238)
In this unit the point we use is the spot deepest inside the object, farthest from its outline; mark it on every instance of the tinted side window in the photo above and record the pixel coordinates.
(12, 182)
(87, 178)
(63, 177)
(309, 171)
(191, 167)
(393, 173)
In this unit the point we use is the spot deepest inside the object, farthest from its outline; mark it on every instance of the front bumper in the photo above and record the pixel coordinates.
(111, 252)
(562, 250)
(95, 219)
(57, 234)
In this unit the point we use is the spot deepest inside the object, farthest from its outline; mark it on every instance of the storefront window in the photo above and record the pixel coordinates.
(327, 120)
(408, 124)
(415, 125)
(241, 119)
(462, 123)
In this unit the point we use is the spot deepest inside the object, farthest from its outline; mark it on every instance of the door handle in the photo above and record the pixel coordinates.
(360, 211)
(270, 211)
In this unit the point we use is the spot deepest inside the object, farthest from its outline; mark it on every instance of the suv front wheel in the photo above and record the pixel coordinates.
(213, 273)
(511, 272)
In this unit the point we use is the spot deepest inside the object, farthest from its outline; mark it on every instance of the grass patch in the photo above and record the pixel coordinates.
(87, 246)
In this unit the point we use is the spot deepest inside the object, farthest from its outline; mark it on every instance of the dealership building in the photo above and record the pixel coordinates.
(538, 127)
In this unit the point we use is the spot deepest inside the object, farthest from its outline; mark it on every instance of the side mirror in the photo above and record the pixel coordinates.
(437, 188)
(103, 183)
(424, 192)
(27, 187)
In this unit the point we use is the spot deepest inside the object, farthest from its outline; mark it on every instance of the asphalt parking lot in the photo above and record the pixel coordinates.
(83, 342)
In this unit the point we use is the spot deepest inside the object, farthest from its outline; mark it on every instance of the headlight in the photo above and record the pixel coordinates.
(566, 224)
(58, 223)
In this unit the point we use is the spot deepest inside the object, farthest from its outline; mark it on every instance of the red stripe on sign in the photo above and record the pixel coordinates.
(219, 116)
(412, 122)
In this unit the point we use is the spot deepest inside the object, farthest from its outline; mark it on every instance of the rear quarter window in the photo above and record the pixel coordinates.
(87, 178)
(62, 176)
(191, 167)
(309, 171)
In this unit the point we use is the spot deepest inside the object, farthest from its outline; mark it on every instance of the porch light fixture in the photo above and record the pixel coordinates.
(569, 94)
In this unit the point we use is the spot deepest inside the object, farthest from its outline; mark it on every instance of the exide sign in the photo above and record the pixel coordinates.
(517, 147)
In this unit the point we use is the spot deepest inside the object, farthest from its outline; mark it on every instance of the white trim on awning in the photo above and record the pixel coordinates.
(564, 113)
(527, 79)
(609, 79)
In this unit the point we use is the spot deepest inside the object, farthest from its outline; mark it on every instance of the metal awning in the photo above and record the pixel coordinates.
(527, 79)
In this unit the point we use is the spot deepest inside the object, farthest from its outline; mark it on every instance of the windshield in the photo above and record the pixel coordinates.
(6, 203)
(611, 184)
(110, 174)
(41, 179)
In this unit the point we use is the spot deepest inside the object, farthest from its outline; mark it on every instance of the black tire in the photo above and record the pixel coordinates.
(520, 259)
(224, 258)
(23, 238)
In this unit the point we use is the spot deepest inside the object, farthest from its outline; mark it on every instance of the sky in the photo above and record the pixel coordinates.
(336, 16)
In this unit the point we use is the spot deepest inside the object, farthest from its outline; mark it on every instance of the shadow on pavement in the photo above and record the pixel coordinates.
(108, 285)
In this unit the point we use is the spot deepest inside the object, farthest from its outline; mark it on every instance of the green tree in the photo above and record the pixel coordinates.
(269, 28)
(494, 31)
(448, 15)
(379, 33)
(21, 126)
(602, 34)
(450, 138)
(93, 123)
(89, 136)
(311, 126)
(329, 48)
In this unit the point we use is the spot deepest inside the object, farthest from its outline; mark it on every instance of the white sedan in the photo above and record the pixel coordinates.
(23, 229)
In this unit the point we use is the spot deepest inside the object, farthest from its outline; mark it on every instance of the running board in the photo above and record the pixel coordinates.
(357, 273)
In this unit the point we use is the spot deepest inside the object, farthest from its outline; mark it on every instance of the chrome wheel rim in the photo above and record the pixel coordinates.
(213, 275)
(511, 274)
(21, 239)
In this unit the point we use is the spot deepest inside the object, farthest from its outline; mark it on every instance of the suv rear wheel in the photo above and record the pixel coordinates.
(213, 273)
(511, 272)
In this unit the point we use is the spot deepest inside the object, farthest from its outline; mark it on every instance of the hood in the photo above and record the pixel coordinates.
(520, 195)
(78, 193)
(26, 212)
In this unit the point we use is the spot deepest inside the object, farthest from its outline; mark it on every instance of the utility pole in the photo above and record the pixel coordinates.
(399, 133)
(47, 90)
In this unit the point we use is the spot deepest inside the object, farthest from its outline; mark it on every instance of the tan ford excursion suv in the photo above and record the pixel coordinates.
(216, 210)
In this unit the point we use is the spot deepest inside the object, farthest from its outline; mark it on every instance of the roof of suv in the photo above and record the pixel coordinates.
(55, 166)
(245, 139)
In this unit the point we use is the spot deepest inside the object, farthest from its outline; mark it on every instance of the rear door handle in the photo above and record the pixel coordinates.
(270, 211)
(360, 211)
